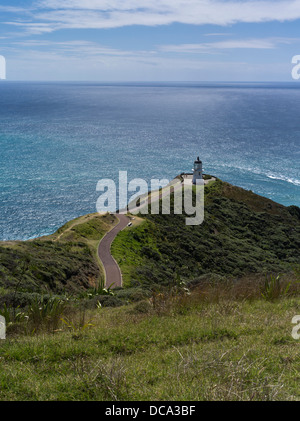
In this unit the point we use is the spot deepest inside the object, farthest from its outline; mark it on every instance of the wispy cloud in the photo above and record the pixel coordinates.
(218, 34)
(51, 15)
(75, 48)
(12, 9)
(266, 43)
(134, 54)
(95, 50)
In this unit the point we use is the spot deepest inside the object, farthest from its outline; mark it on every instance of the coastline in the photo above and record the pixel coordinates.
(172, 182)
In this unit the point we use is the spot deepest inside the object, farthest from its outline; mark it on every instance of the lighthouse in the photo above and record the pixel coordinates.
(197, 174)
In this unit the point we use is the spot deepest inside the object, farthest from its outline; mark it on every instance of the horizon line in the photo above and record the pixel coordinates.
(148, 81)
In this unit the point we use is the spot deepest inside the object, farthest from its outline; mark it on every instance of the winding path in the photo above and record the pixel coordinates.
(112, 270)
(113, 273)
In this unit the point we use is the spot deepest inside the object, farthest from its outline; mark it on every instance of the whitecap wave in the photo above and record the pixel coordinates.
(258, 171)
(284, 178)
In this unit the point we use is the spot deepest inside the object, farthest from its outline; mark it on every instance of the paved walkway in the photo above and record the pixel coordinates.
(112, 271)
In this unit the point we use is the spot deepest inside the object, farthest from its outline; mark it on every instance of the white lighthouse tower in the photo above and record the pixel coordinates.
(197, 174)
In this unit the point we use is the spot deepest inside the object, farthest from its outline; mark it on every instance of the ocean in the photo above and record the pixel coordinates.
(58, 139)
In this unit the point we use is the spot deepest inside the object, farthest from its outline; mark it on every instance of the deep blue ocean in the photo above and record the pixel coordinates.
(58, 139)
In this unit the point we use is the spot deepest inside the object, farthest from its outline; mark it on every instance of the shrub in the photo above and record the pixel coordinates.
(104, 300)
(274, 288)
(143, 307)
(133, 294)
(99, 289)
(47, 313)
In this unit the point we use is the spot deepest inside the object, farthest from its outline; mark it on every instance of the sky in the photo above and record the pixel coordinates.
(149, 40)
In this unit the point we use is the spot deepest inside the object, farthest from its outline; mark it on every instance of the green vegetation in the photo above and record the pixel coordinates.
(273, 288)
(243, 233)
(205, 313)
(210, 344)
(66, 261)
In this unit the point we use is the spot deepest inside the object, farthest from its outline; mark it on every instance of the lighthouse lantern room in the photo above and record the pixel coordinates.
(197, 174)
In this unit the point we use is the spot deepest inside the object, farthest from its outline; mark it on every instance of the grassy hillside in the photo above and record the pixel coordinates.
(63, 262)
(243, 233)
(199, 319)
(170, 348)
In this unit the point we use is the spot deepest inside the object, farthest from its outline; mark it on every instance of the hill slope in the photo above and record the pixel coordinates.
(242, 233)
(64, 261)
(226, 350)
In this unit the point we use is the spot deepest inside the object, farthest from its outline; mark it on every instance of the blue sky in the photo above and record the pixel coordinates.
(149, 40)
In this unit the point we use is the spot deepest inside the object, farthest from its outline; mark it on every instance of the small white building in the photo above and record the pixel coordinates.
(197, 174)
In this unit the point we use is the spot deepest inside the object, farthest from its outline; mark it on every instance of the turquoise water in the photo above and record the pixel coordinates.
(57, 140)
